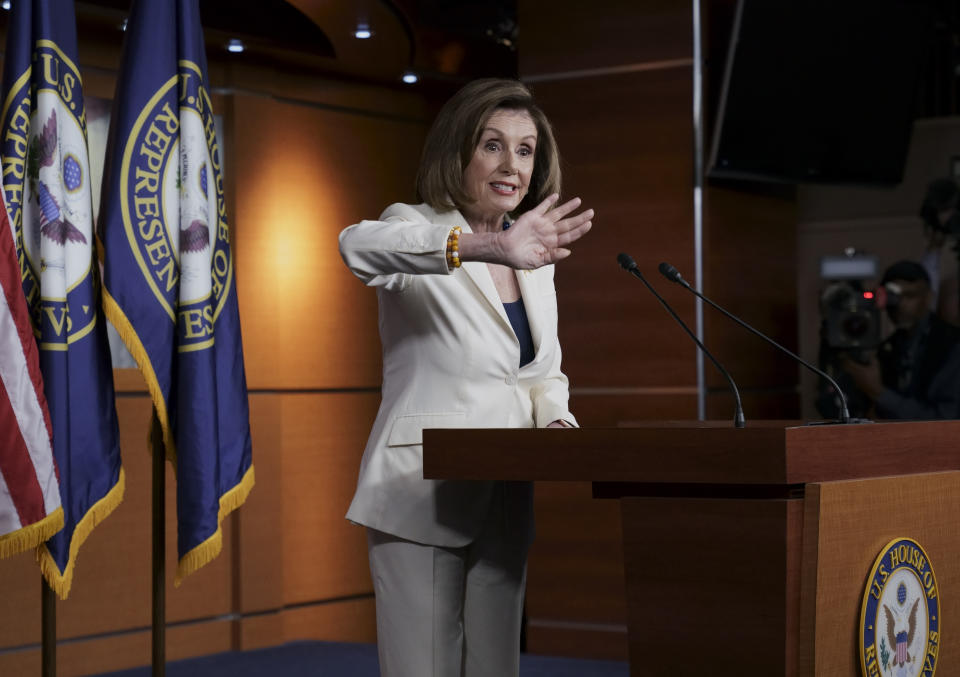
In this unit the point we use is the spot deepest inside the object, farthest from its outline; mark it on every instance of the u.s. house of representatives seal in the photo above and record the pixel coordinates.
(47, 189)
(174, 210)
(900, 617)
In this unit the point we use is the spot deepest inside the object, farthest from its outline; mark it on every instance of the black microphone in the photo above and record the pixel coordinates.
(628, 264)
(674, 275)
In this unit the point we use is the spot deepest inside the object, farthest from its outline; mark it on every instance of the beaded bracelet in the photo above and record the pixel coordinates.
(453, 247)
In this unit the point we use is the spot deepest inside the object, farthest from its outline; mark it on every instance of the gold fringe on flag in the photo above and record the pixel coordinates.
(129, 336)
(208, 550)
(60, 583)
(32, 535)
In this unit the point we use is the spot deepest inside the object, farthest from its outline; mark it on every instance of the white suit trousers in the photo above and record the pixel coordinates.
(449, 612)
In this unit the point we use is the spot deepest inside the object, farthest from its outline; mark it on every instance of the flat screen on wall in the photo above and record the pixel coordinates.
(819, 91)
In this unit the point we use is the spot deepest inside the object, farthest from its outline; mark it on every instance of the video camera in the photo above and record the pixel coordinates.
(852, 313)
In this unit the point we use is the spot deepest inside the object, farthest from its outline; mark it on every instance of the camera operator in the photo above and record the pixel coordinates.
(916, 371)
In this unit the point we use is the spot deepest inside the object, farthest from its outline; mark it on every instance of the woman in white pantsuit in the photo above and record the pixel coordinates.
(468, 325)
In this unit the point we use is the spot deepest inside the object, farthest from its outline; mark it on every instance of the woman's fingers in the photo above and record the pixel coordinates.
(574, 227)
(562, 210)
(574, 234)
(574, 221)
(544, 206)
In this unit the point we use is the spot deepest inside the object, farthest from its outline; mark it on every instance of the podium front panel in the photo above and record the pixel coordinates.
(846, 526)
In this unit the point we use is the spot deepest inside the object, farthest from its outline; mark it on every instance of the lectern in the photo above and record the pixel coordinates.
(746, 551)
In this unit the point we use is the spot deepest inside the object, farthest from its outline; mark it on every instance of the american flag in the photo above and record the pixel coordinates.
(49, 209)
(901, 648)
(30, 511)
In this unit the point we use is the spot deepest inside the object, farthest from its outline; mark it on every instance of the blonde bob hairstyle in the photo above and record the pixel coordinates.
(454, 136)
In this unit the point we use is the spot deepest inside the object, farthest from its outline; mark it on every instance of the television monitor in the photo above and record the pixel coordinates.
(819, 91)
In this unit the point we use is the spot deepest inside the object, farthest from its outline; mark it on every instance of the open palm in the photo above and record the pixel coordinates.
(542, 235)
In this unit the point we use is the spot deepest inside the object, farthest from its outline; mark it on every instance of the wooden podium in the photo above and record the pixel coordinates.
(746, 551)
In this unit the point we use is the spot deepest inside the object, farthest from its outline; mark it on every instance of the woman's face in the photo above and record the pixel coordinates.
(498, 175)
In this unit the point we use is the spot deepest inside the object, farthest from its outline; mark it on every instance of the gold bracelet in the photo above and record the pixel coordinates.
(453, 247)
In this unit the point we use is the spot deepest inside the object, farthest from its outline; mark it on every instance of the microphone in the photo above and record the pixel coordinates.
(628, 264)
(674, 275)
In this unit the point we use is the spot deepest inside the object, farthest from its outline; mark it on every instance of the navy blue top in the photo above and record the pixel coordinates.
(517, 314)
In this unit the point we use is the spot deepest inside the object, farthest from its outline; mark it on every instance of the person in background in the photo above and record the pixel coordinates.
(468, 327)
(916, 371)
(940, 212)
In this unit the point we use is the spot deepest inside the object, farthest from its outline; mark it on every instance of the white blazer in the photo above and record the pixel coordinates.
(450, 360)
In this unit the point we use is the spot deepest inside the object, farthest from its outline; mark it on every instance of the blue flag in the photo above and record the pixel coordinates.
(168, 268)
(46, 187)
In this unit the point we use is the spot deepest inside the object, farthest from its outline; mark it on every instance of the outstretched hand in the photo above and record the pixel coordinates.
(541, 236)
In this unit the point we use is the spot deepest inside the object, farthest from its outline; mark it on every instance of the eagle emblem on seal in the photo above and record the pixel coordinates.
(900, 630)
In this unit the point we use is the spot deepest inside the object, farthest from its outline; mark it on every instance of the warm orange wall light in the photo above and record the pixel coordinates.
(302, 178)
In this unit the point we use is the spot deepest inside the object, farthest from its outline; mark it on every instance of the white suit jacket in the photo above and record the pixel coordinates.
(450, 360)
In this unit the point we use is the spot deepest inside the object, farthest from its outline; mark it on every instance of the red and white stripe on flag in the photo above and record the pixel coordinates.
(901, 651)
(30, 511)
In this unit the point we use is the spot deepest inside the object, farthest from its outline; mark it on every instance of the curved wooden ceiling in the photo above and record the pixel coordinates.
(445, 40)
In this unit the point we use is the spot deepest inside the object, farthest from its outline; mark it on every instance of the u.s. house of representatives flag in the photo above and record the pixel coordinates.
(30, 511)
(168, 268)
(46, 186)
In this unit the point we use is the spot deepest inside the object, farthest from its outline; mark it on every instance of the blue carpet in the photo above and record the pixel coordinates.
(330, 659)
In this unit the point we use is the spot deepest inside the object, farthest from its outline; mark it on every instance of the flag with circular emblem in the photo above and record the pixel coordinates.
(168, 268)
(46, 188)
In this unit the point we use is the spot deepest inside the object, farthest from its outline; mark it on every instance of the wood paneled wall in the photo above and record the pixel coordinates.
(301, 173)
(750, 268)
(617, 83)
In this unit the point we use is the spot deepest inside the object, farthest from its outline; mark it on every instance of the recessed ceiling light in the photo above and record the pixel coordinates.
(5, 4)
(410, 77)
(363, 32)
(235, 46)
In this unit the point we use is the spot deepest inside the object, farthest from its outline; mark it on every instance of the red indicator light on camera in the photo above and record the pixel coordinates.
(868, 294)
